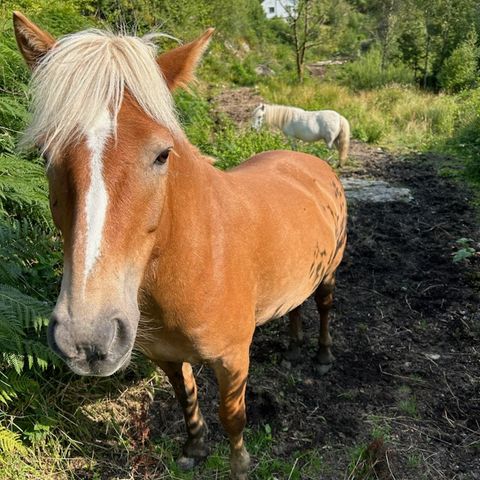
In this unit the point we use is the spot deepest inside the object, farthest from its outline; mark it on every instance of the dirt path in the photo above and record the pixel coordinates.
(406, 334)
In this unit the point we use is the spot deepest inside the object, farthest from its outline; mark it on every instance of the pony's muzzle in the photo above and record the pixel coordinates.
(100, 348)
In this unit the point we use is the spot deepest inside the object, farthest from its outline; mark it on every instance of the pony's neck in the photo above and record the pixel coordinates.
(277, 115)
(188, 195)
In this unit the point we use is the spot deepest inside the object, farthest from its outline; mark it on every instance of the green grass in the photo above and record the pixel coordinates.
(394, 116)
(407, 402)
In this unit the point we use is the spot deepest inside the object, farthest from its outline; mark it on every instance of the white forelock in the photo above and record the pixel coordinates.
(86, 74)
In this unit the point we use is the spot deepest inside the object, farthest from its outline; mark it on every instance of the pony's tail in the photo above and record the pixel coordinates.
(342, 142)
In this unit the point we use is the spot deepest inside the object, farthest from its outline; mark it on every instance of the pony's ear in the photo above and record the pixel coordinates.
(178, 65)
(32, 41)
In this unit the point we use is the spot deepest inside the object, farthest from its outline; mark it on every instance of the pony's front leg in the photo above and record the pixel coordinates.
(293, 143)
(232, 375)
(183, 383)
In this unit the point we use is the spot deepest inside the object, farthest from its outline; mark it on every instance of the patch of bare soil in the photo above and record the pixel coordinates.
(406, 335)
(238, 104)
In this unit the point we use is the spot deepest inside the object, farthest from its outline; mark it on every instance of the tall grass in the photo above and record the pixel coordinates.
(395, 116)
(367, 73)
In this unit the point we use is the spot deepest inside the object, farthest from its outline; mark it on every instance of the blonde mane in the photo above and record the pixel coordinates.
(85, 75)
(278, 115)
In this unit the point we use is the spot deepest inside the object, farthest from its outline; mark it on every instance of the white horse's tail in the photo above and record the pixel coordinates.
(342, 142)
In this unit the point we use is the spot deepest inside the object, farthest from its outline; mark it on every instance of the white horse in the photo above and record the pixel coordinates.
(307, 126)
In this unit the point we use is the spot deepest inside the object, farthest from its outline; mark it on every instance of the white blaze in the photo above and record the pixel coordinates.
(97, 196)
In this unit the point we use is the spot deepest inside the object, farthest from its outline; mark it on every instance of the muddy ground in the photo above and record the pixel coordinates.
(406, 332)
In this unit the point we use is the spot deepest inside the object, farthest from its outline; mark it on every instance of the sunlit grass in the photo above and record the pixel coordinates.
(396, 116)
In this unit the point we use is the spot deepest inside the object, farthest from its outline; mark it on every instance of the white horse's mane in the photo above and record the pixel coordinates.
(85, 75)
(279, 115)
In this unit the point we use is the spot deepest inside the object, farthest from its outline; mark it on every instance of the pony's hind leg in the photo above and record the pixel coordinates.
(294, 352)
(324, 300)
(183, 383)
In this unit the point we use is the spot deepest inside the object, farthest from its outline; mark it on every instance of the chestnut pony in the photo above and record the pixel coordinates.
(162, 250)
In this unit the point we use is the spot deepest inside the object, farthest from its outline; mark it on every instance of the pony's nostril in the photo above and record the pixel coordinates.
(122, 333)
(108, 340)
(112, 333)
(59, 339)
(93, 354)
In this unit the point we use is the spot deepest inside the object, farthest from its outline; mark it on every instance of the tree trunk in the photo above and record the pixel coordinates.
(299, 67)
(425, 67)
(388, 20)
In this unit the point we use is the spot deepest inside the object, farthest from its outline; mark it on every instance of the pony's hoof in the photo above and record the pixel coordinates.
(239, 463)
(196, 449)
(324, 360)
(322, 368)
(186, 463)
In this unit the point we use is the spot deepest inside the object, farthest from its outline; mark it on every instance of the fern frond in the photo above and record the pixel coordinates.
(23, 188)
(10, 441)
(12, 112)
(22, 322)
(30, 312)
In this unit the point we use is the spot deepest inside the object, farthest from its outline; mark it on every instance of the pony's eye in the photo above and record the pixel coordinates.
(163, 156)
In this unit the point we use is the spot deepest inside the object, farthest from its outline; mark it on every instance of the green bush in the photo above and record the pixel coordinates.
(242, 73)
(194, 112)
(464, 141)
(232, 147)
(366, 72)
(460, 70)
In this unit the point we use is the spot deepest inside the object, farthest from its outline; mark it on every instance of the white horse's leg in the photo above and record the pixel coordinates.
(329, 140)
(293, 142)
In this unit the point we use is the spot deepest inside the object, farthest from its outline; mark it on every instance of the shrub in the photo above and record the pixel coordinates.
(231, 147)
(460, 70)
(194, 112)
(366, 72)
(242, 73)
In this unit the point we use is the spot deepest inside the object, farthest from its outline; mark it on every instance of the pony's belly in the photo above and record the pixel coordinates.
(283, 305)
(306, 131)
(309, 134)
(285, 299)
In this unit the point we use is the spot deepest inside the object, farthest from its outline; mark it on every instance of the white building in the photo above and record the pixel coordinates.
(277, 8)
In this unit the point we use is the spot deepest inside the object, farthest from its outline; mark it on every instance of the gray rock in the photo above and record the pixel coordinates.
(376, 191)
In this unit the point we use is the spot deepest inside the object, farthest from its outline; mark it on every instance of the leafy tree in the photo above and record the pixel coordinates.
(460, 69)
(309, 21)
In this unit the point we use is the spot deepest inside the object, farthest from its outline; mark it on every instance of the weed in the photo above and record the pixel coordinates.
(414, 460)
(408, 406)
(364, 460)
(465, 251)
